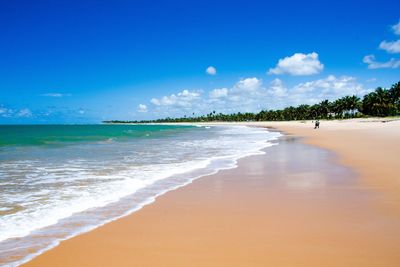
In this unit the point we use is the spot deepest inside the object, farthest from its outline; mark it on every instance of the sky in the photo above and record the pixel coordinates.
(89, 61)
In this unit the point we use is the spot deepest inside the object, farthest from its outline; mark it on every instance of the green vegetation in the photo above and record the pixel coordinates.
(379, 103)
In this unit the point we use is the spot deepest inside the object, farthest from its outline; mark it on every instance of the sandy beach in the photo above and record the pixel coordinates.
(200, 133)
(327, 197)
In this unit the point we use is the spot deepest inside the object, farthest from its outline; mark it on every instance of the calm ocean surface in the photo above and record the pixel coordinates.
(57, 181)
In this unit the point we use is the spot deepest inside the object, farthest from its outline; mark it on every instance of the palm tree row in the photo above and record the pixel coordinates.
(381, 103)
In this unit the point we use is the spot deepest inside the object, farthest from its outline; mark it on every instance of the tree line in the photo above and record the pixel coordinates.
(381, 102)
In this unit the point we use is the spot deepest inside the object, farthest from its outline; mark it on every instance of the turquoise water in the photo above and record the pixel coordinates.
(35, 135)
(57, 181)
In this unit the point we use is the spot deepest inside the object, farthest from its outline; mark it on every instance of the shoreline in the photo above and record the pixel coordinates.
(358, 143)
(53, 256)
(126, 205)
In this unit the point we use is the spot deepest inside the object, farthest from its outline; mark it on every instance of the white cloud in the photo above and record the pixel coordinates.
(277, 89)
(329, 83)
(10, 113)
(250, 95)
(182, 99)
(142, 108)
(244, 93)
(218, 93)
(247, 85)
(155, 101)
(329, 88)
(277, 95)
(390, 47)
(211, 70)
(55, 95)
(373, 64)
(298, 64)
(49, 114)
(396, 28)
(5, 112)
(26, 113)
(242, 96)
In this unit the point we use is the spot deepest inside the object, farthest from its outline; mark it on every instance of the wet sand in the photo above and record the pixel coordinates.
(370, 147)
(294, 206)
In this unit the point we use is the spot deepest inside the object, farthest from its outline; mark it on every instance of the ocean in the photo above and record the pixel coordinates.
(57, 181)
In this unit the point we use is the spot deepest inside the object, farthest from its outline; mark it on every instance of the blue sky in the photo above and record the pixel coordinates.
(74, 62)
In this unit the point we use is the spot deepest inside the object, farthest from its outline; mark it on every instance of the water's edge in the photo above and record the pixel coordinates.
(143, 197)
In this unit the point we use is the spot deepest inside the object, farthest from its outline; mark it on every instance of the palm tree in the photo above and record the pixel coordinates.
(354, 103)
(337, 107)
(394, 93)
(378, 103)
(315, 111)
(303, 112)
(350, 104)
(324, 108)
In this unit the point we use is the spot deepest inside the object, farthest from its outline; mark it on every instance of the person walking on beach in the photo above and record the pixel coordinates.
(316, 124)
